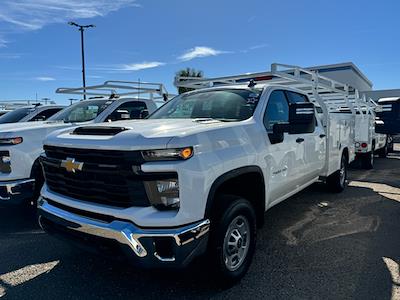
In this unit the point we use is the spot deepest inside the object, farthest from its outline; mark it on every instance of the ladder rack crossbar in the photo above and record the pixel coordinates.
(118, 88)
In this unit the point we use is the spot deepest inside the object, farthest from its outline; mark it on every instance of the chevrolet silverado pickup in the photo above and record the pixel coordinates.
(197, 176)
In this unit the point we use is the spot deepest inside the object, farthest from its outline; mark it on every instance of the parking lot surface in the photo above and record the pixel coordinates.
(314, 245)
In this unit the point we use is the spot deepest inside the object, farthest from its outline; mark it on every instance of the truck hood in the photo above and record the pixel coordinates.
(138, 134)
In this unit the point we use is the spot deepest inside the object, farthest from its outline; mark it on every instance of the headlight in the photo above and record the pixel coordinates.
(168, 154)
(11, 141)
(5, 162)
(163, 194)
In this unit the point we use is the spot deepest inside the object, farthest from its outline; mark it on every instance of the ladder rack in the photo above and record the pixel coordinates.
(14, 104)
(113, 89)
(329, 94)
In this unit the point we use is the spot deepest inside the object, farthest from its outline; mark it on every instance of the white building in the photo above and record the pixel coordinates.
(350, 74)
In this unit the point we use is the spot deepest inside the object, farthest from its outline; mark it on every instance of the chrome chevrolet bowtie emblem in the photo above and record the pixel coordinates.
(71, 165)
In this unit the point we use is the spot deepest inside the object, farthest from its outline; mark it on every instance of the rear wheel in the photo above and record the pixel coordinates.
(337, 181)
(232, 239)
(367, 160)
(383, 152)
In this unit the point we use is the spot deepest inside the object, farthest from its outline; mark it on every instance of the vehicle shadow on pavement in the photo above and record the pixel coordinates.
(314, 245)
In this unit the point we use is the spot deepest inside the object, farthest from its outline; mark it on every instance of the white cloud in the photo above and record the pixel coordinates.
(260, 46)
(44, 78)
(118, 67)
(200, 52)
(128, 67)
(141, 66)
(35, 14)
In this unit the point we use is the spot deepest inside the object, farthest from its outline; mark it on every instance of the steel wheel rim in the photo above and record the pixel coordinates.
(236, 243)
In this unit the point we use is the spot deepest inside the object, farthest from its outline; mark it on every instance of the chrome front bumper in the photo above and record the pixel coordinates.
(186, 242)
(16, 191)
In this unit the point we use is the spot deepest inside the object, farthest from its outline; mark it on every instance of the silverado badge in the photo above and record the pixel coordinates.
(71, 165)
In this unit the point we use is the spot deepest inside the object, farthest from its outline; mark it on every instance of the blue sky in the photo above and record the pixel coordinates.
(152, 39)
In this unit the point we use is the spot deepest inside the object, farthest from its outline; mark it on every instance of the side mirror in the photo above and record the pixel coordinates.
(301, 118)
(278, 131)
(144, 114)
(39, 118)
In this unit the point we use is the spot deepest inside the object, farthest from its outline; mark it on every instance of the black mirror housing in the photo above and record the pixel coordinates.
(301, 118)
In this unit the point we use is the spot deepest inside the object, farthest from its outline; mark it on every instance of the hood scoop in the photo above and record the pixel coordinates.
(98, 130)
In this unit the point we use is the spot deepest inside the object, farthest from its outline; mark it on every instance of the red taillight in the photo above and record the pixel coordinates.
(364, 145)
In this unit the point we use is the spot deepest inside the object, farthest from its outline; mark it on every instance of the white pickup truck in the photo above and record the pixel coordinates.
(198, 175)
(30, 113)
(21, 176)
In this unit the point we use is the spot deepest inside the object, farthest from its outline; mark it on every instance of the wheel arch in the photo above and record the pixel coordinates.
(252, 177)
(346, 153)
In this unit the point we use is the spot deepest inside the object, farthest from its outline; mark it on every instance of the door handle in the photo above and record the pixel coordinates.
(322, 135)
(299, 140)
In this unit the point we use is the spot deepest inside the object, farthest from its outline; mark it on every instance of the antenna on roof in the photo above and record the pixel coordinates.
(113, 95)
(252, 83)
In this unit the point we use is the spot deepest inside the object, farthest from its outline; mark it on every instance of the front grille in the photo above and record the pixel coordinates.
(106, 177)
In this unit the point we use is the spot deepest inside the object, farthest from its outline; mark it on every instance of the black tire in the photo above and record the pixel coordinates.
(383, 152)
(337, 181)
(231, 211)
(391, 147)
(36, 174)
(367, 160)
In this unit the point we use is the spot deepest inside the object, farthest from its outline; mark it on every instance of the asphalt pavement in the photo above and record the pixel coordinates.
(315, 245)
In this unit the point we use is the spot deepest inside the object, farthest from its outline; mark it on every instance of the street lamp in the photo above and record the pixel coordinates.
(45, 100)
(71, 100)
(82, 29)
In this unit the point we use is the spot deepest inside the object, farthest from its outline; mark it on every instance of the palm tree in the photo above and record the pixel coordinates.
(188, 72)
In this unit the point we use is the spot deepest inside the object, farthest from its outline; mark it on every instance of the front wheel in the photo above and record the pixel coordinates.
(232, 239)
(338, 180)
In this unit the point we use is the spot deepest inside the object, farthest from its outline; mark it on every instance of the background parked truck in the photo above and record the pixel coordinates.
(21, 176)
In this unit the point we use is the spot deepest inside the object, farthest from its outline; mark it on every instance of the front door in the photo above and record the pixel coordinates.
(284, 158)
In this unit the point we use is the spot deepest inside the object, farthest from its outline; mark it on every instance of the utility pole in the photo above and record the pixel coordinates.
(82, 29)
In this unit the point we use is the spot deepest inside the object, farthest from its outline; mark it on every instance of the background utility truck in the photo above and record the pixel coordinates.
(198, 175)
(21, 176)
(388, 119)
(367, 141)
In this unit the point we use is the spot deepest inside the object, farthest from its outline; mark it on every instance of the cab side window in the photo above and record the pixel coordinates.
(277, 111)
(129, 110)
(294, 97)
(45, 114)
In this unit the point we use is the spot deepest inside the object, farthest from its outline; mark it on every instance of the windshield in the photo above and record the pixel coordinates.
(16, 115)
(82, 111)
(224, 105)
